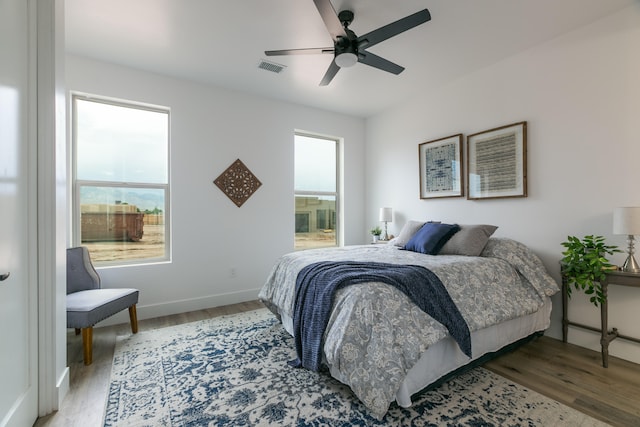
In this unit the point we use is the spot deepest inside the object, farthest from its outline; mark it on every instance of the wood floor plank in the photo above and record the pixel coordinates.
(612, 415)
(574, 376)
(567, 373)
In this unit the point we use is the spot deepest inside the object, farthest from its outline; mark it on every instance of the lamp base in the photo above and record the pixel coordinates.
(630, 265)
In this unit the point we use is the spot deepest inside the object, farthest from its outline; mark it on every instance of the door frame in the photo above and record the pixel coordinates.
(50, 192)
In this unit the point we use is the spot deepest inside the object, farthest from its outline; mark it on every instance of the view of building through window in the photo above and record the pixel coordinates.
(121, 180)
(316, 192)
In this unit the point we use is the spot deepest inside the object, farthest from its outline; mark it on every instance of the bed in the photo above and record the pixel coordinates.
(385, 348)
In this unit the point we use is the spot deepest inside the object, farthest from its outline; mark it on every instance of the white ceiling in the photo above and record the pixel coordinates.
(222, 42)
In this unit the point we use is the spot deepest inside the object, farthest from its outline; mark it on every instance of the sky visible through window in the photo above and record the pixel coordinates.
(315, 164)
(121, 144)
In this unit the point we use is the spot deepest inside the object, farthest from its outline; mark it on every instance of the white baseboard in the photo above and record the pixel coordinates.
(62, 386)
(182, 306)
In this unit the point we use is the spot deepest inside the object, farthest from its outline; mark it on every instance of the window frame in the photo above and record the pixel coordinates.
(337, 194)
(77, 184)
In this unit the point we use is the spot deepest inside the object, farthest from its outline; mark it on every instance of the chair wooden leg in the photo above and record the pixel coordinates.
(87, 345)
(133, 316)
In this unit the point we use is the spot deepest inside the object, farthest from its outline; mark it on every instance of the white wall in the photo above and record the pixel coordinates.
(580, 95)
(210, 128)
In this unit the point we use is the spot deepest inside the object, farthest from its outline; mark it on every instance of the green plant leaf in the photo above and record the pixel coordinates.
(583, 265)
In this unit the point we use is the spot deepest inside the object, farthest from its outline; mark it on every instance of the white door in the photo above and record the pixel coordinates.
(18, 321)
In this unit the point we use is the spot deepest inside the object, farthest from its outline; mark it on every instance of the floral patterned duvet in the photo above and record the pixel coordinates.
(376, 334)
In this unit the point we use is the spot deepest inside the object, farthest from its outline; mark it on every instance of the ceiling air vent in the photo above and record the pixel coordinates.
(271, 66)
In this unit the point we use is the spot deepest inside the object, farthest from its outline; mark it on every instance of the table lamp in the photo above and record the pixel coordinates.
(386, 215)
(627, 221)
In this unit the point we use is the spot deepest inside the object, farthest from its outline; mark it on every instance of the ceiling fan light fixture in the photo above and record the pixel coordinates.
(346, 59)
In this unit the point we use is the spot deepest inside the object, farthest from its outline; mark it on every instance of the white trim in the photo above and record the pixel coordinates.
(32, 211)
(51, 205)
(152, 311)
(76, 184)
(62, 386)
(120, 102)
(339, 190)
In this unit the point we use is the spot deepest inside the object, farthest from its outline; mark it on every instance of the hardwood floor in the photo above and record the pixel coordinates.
(567, 373)
(84, 404)
(574, 376)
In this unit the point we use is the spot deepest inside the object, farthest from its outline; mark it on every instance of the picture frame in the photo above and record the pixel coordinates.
(497, 162)
(441, 168)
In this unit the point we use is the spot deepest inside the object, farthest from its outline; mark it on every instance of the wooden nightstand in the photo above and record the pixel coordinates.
(614, 277)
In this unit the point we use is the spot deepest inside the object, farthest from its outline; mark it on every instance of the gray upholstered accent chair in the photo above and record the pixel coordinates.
(88, 303)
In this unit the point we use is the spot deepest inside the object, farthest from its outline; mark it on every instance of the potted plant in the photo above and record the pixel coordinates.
(584, 265)
(376, 232)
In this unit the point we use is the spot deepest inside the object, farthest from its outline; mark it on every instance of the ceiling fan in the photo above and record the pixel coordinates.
(349, 48)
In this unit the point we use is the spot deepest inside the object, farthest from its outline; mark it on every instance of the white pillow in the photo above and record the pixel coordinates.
(409, 229)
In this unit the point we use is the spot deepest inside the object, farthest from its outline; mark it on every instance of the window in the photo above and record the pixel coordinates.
(120, 180)
(316, 191)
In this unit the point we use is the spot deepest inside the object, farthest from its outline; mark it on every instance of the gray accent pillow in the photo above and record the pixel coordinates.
(469, 241)
(407, 232)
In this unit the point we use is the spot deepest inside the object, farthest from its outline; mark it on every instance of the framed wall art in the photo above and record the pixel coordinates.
(440, 168)
(497, 162)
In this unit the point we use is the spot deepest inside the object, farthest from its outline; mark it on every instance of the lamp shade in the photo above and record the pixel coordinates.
(386, 214)
(626, 221)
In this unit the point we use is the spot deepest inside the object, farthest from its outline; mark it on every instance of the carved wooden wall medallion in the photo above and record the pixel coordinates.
(238, 183)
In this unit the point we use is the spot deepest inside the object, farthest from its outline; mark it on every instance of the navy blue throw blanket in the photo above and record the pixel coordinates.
(317, 283)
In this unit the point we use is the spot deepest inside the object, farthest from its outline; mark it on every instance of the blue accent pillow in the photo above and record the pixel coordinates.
(431, 238)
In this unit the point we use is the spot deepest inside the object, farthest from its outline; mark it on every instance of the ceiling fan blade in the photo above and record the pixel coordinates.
(309, 51)
(376, 61)
(381, 34)
(330, 74)
(330, 18)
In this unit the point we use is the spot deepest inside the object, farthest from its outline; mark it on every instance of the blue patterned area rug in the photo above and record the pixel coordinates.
(233, 371)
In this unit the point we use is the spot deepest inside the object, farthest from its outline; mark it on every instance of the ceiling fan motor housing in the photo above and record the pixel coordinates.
(347, 44)
(346, 48)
